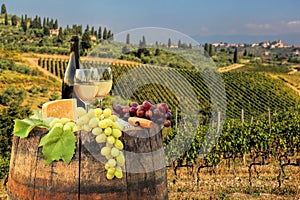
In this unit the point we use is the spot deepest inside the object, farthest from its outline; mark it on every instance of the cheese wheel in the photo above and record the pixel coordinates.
(59, 109)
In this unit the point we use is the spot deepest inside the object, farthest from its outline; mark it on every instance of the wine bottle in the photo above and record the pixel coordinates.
(74, 63)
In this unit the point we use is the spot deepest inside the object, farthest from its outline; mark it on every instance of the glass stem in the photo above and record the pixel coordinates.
(100, 102)
(86, 105)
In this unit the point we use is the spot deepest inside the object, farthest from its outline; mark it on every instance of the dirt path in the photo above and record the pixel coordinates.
(286, 82)
(82, 58)
(33, 62)
(231, 67)
(32, 59)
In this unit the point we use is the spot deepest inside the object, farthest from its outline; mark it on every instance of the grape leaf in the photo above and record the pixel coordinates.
(37, 114)
(23, 127)
(58, 144)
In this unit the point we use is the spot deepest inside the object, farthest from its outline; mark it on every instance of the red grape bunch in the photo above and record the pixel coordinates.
(160, 113)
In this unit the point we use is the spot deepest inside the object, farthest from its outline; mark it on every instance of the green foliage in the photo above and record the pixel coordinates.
(222, 59)
(264, 138)
(4, 164)
(12, 96)
(22, 128)
(58, 144)
(157, 57)
(10, 65)
(54, 96)
(86, 41)
(7, 117)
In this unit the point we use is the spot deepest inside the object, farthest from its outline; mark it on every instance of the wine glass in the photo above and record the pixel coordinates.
(84, 85)
(104, 82)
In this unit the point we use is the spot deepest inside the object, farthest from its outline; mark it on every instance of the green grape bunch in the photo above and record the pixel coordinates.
(103, 125)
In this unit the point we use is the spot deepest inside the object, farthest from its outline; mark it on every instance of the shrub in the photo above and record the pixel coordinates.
(12, 96)
(7, 117)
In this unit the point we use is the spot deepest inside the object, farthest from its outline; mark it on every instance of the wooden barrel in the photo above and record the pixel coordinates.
(85, 176)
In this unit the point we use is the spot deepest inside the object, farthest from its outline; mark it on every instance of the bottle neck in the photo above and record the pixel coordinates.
(75, 50)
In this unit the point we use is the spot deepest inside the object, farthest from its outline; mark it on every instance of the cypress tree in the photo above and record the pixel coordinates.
(87, 28)
(169, 43)
(44, 22)
(60, 37)
(55, 25)
(128, 38)
(206, 47)
(104, 34)
(235, 55)
(79, 30)
(22, 19)
(179, 43)
(109, 35)
(245, 53)
(3, 9)
(46, 31)
(93, 31)
(48, 22)
(24, 24)
(86, 40)
(144, 42)
(100, 33)
(51, 24)
(210, 50)
(6, 19)
(14, 20)
(39, 22)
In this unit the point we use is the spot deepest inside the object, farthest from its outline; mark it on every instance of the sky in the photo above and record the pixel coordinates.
(238, 21)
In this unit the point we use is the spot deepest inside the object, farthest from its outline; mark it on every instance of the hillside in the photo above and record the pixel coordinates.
(37, 87)
(254, 92)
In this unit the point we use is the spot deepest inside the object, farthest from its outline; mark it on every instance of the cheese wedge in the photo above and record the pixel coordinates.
(136, 121)
(59, 109)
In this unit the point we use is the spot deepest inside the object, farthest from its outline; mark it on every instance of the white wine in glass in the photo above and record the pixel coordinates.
(104, 82)
(84, 85)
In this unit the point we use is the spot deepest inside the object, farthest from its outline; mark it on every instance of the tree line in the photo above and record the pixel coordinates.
(45, 26)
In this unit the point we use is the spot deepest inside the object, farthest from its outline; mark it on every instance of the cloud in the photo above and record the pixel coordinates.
(278, 27)
(293, 23)
(258, 26)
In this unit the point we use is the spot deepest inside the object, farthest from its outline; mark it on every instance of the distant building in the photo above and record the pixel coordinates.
(93, 38)
(296, 52)
(264, 44)
(54, 32)
(174, 46)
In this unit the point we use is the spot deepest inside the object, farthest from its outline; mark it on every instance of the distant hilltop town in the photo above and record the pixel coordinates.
(266, 45)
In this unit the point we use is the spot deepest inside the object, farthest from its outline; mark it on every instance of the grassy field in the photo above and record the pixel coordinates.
(228, 183)
(233, 183)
